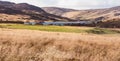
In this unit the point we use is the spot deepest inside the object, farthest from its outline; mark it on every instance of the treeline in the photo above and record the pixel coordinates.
(16, 22)
(106, 24)
(113, 23)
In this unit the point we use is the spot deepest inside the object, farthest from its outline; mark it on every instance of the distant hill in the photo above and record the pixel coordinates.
(21, 6)
(91, 14)
(95, 14)
(110, 17)
(57, 10)
(10, 11)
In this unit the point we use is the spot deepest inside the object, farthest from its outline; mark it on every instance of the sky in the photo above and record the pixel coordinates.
(74, 4)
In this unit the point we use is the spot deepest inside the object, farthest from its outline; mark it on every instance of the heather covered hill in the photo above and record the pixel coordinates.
(24, 11)
(9, 10)
(21, 6)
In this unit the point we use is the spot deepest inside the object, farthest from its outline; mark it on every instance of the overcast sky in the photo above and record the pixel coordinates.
(75, 4)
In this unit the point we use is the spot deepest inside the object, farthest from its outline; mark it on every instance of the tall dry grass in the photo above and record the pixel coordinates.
(27, 45)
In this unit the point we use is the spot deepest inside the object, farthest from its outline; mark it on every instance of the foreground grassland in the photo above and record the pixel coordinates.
(61, 29)
(32, 45)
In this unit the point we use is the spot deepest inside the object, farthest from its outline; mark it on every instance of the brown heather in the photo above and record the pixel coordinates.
(28, 45)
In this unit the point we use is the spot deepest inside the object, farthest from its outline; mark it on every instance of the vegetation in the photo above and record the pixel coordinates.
(61, 28)
(115, 23)
(29, 45)
(102, 31)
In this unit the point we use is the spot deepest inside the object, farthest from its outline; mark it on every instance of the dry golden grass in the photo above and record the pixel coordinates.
(29, 45)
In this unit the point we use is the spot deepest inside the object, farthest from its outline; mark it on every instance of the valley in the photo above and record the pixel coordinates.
(23, 12)
(35, 33)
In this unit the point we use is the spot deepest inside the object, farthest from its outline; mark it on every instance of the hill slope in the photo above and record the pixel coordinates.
(23, 11)
(57, 10)
(92, 14)
(95, 14)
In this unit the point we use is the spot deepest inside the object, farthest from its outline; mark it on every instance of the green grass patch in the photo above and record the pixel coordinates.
(103, 31)
(60, 28)
(42, 28)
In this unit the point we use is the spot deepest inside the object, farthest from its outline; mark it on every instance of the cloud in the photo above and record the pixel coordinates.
(76, 4)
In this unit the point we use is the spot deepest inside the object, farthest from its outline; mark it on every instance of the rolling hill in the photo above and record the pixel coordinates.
(109, 17)
(10, 11)
(95, 14)
(57, 10)
(90, 14)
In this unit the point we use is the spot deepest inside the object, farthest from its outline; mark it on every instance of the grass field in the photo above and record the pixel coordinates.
(61, 29)
(33, 45)
(58, 43)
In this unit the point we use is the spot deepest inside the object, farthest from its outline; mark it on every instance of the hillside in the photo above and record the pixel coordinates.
(95, 14)
(90, 14)
(21, 6)
(57, 10)
(19, 12)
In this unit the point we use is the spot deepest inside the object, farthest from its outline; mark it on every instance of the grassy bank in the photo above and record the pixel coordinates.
(61, 28)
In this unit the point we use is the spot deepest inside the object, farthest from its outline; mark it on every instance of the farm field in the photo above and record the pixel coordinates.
(34, 45)
(68, 29)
